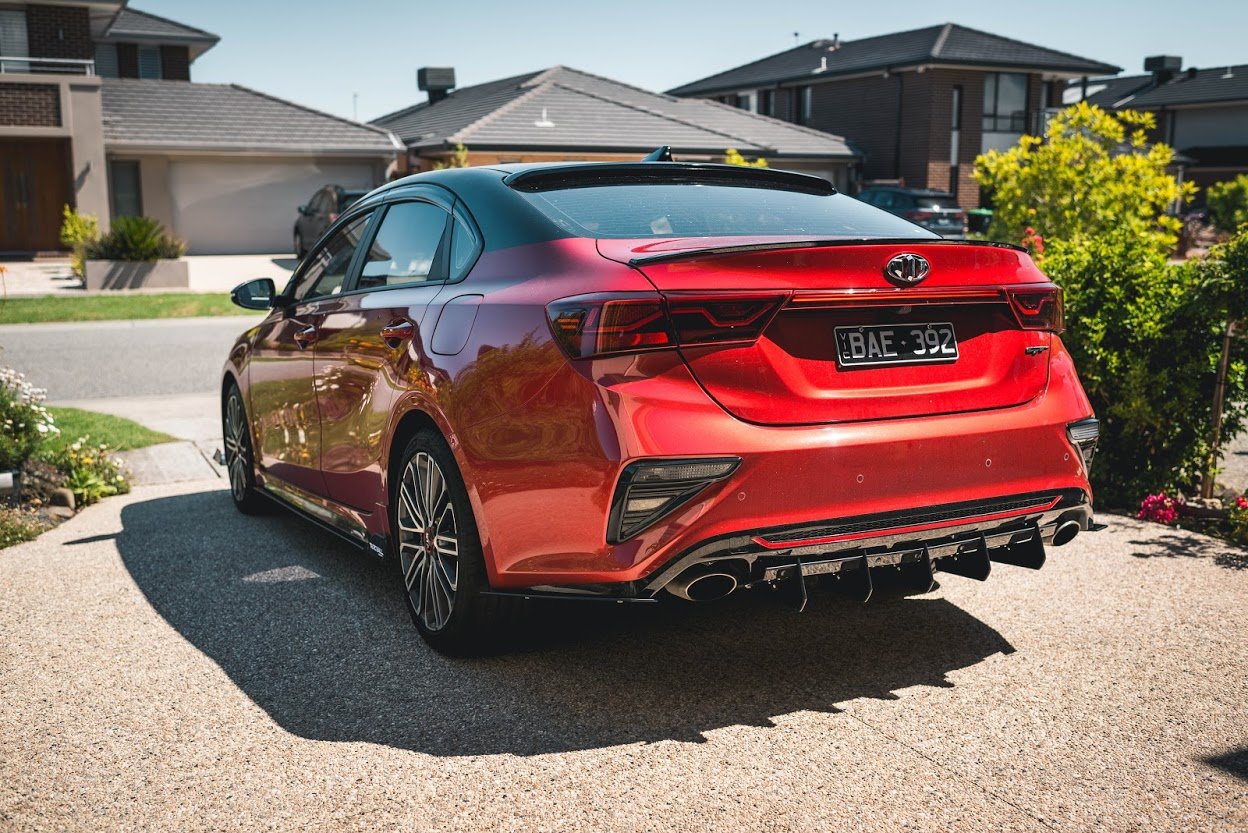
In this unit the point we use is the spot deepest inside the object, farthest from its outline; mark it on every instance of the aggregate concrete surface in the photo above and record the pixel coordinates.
(167, 664)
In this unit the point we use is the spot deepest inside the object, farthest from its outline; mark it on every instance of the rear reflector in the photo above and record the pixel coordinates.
(587, 326)
(1038, 308)
(650, 490)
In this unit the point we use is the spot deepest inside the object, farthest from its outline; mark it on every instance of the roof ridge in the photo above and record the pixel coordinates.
(657, 113)
(940, 39)
(459, 135)
(1031, 45)
(411, 108)
(178, 23)
(807, 45)
(617, 83)
(369, 127)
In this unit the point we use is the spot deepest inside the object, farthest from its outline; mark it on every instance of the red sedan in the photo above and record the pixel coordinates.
(617, 381)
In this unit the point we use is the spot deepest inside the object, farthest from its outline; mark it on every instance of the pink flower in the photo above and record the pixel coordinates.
(1160, 508)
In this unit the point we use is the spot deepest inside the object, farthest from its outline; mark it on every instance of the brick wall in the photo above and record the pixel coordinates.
(175, 63)
(59, 32)
(864, 111)
(30, 105)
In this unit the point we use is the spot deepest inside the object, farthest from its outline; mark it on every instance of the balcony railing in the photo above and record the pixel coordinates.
(59, 66)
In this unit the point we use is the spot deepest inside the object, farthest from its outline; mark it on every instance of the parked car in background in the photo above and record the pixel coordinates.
(620, 381)
(318, 213)
(936, 211)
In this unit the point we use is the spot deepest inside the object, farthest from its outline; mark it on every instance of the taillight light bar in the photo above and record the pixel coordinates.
(604, 324)
(1038, 307)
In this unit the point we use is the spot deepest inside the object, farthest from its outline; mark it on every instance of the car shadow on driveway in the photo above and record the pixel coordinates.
(316, 633)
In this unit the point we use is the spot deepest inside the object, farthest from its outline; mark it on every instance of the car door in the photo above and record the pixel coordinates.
(280, 373)
(373, 343)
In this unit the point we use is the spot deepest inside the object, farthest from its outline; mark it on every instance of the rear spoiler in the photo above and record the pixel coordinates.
(594, 174)
(713, 251)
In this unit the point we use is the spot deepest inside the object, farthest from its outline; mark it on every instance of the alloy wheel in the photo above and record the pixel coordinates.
(237, 447)
(428, 541)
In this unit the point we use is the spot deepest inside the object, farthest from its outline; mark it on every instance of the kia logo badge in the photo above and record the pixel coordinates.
(907, 269)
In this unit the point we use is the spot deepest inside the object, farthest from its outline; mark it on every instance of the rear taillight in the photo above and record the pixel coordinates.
(333, 215)
(1038, 308)
(601, 325)
(915, 216)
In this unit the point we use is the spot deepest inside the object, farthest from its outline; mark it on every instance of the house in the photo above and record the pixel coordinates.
(1202, 113)
(562, 113)
(921, 104)
(98, 111)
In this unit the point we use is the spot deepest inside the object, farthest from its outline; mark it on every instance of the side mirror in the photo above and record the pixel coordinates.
(257, 294)
(303, 209)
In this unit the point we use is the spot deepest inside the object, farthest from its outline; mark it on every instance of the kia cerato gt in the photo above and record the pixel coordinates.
(624, 381)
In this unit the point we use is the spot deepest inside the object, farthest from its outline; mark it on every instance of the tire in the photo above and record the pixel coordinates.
(299, 249)
(434, 536)
(239, 460)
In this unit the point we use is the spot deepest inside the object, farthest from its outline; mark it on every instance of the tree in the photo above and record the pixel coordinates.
(733, 157)
(1228, 203)
(1092, 173)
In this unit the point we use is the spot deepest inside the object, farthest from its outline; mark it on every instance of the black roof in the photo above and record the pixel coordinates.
(949, 44)
(1191, 86)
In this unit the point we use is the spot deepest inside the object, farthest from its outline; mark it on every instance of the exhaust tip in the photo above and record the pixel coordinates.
(703, 587)
(1066, 533)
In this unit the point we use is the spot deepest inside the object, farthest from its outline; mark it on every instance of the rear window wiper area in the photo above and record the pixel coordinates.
(599, 174)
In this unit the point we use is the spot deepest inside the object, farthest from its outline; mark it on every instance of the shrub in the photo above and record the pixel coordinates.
(136, 239)
(79, 231)
(732, 156)
(1238, 520)
(1160, 508)
(1092, 173)
(17, 525)
(1228, 203)
(91, 471)
(1145, 336)
(24, 422)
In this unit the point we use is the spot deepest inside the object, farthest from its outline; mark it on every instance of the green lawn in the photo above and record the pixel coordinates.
(120, 434)
(116, 307)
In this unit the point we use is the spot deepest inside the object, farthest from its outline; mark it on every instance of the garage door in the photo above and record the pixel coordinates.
(248, 207)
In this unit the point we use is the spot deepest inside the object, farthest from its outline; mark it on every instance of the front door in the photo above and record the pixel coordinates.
(372, 344)
(281, 371)
(34, 189)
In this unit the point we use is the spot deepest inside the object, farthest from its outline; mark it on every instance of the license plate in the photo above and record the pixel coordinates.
(895, 344)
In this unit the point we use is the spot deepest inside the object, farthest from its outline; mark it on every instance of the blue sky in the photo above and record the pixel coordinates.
(320, 53)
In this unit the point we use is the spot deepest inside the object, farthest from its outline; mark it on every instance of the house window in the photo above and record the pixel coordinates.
(13, 43)
(149, 62)
(127, 190)
(767, 102)
(106, 60)
(801, 110)
(955, 138)
(1005, 102)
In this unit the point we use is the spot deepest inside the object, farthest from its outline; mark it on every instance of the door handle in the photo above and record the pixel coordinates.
(308, 335)
(397, 332)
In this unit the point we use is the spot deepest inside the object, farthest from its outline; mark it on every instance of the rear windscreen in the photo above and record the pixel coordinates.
(691, 209)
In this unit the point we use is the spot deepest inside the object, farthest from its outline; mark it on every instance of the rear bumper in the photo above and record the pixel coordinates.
(544, 521)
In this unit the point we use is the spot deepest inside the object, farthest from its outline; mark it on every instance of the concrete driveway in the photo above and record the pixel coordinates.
(168, 664)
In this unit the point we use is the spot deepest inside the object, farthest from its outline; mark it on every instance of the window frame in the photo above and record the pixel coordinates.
(441, 257)
(301, 273)
(995, 116)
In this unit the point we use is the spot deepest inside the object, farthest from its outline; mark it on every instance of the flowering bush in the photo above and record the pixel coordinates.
(1238, 517)
(91, 471)
(18, 525)
(24, 422)
(1033, 242)
(1160, 508)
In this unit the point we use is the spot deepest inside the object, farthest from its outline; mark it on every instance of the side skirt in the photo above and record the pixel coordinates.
(324, 513)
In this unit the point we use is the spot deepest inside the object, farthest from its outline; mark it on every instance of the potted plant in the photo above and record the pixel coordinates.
(136, 253)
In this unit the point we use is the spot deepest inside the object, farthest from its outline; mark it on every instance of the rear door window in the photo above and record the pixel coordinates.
(408, 247)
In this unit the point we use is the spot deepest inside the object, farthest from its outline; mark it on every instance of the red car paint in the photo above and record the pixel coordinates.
(541, 439)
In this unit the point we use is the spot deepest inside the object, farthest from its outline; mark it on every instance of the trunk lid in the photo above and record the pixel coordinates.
(791, 375)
